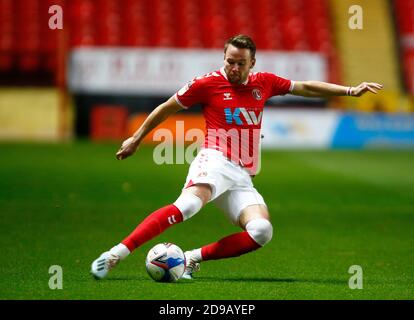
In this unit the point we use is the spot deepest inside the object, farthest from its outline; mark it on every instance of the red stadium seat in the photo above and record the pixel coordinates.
(6, 61)
(274, 24)
(29, 62)
(82, 23)
(7, 27)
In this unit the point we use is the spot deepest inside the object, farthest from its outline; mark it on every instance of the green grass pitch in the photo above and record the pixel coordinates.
(64, 204)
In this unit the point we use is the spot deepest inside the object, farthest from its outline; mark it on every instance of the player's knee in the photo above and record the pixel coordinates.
(188, 204)
(261, 230)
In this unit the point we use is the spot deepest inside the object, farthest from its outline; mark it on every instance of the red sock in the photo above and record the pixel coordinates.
(230, 246)
(153, 225)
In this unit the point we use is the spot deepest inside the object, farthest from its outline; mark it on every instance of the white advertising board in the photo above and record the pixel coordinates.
(164, 71)
(298, 128)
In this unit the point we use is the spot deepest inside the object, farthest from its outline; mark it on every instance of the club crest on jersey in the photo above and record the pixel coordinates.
(257, 94)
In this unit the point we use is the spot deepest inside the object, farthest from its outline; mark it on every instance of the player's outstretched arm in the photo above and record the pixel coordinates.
(325, 89)
(158, 115)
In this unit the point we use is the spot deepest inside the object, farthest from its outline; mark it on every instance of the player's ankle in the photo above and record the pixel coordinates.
(120, 250)
(196, 254)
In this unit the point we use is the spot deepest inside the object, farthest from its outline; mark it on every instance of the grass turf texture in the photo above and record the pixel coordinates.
(65, 204)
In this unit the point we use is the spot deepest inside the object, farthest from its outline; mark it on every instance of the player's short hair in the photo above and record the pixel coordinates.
(242, 41)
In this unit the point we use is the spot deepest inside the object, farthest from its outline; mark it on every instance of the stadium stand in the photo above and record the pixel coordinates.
(6, 35)
(28, 45)
(201, 23)
(31, 54)
(275, 25)
(356, 47)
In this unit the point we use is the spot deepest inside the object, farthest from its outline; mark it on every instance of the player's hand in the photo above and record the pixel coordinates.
(128, 147)
(364, 87)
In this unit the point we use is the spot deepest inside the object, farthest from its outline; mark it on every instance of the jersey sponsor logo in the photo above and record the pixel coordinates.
(250, 117)
(257, 94)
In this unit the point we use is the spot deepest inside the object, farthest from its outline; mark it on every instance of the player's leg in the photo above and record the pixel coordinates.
(258, 231)
(204, 182)
(191, 200)
(246, 208)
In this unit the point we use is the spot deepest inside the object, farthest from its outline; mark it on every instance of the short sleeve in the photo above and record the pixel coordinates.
(190, 94)
(278, 85)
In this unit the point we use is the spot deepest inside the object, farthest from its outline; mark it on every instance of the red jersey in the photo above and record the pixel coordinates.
(233, 112)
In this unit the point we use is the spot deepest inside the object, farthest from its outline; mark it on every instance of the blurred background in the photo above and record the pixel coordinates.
(114, 61)
(339, 174)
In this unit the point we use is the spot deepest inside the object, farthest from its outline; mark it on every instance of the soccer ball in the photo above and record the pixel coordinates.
(165, 262)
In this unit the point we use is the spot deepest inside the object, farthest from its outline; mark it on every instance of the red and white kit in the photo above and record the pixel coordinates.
(230, 153)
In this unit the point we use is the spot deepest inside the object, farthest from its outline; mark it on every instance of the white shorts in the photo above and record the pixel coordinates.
(232, 187)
